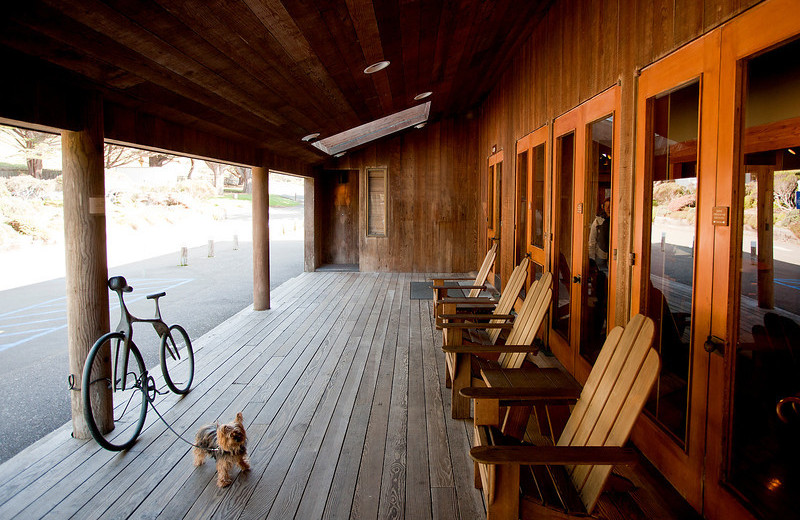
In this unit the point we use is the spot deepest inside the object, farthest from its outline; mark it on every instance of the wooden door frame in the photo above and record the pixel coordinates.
(492, 224)
(540, 136)
(697, 60)
(738, 42)
(576, 121)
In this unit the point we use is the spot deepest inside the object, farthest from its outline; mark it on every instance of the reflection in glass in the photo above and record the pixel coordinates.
(522, 205)
(490, 198)
(563, 230)
(672, 237)
(537, 236)
(594, 295)
(765, 440)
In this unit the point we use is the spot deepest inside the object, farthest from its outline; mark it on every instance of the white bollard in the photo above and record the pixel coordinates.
(211, 249)
(235, 242)
(184, 256)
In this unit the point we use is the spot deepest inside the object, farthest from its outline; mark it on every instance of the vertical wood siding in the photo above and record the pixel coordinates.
(581, 48)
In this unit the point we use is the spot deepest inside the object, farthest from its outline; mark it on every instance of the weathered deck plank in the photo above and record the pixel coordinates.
(342, 388)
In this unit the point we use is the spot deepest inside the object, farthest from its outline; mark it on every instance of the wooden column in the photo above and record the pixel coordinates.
(310, 255)
(260, 238)
(85, 243)
(765, 176)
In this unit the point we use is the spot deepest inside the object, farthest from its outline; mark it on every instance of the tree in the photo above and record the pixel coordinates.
(34, 146)
(219, 175)
(116, 155)
(244, 175)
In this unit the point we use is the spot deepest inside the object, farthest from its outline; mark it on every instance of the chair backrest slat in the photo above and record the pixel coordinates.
(483, 272)
(613, 397)
(621, 430)
(529, 319)
(509, 296)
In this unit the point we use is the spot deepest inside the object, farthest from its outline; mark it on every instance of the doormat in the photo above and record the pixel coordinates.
(421, 291)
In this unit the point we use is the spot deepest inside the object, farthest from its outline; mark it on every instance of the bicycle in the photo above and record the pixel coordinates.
(127, 390)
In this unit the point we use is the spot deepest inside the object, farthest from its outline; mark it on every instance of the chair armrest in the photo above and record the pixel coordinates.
(481, 287)
(556, 455)
(464, 300)
(521, 394)
(437, 279)
(476, 317)
(489, 349)
(470, 325)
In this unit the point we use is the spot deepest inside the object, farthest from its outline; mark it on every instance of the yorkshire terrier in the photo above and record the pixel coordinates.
(227, 443)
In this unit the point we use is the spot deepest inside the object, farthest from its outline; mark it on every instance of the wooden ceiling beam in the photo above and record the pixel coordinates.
(66, 32)
(287, 49)
(99, 18)
(318, 34)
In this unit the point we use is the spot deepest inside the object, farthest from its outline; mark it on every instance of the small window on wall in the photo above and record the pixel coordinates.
(376, 202)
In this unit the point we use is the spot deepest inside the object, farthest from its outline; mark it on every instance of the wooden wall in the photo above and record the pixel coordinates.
(433, 202)
(581, 48)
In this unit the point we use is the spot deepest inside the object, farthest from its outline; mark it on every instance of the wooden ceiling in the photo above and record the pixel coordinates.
(268, 72)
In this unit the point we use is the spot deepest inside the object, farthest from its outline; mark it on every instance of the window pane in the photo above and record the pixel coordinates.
(598, 212)
(376, 189)
(672, 238)
(563, 230)
(537, 236)
(766, 399)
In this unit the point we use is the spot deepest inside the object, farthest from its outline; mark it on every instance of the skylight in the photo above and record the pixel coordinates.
(374, 130)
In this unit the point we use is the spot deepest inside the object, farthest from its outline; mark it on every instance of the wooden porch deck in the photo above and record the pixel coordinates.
(342, 388)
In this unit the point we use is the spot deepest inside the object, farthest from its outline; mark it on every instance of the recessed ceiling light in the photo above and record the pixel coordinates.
(340, 154)
(311, 136)
(419, 125)
(375, 67)
(422, 96)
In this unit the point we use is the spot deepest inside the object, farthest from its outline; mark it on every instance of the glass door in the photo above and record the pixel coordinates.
(532, 158)
(583, 258)
(673, 252)
(754, 382)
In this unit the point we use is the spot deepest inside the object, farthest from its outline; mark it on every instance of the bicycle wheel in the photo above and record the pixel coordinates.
(126, 397)
(177, 359)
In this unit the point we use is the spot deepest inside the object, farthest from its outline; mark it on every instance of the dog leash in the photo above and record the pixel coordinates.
(151, 400)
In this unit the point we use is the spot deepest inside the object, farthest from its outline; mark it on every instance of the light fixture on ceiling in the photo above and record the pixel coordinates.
(340, 154)
(421, 125)
(375, 67)
(373, 130)
(791, 151)
(311, 137)
(422, 96)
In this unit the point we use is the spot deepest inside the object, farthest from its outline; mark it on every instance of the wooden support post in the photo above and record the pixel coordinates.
(85, 243)
(765, 176)
(310, 240)
(260, 238)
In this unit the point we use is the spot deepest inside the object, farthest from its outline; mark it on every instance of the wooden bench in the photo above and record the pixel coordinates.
(565, 480)
(463, 355)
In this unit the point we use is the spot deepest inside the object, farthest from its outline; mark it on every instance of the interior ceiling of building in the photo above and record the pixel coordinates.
(268, 72)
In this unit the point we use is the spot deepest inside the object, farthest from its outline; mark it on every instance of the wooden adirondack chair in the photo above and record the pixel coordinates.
(443, 290)
(464, 356)
(565, 480)
(477, 309)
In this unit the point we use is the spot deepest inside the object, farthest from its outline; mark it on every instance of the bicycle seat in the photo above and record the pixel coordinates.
(118, 283)
(157, 295)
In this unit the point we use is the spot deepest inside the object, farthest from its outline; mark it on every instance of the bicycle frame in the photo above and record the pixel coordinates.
(126, 328)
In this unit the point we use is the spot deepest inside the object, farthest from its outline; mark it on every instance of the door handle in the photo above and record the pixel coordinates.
(576, 279)
(794, 401)
(714, 344)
